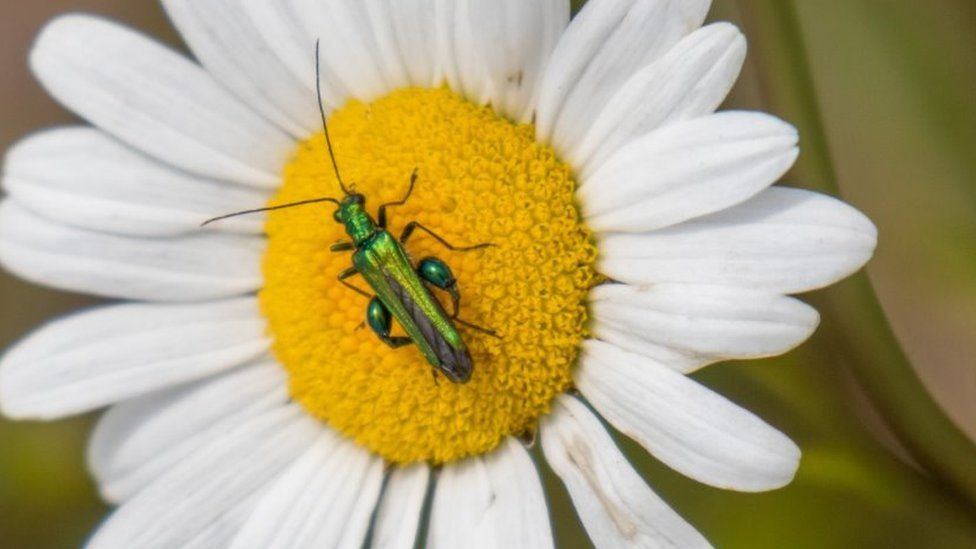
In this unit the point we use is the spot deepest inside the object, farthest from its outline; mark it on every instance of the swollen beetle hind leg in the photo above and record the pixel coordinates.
(439, 275)
(380, 321)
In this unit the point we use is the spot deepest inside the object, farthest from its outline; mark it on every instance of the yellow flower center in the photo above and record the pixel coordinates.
(481, 179)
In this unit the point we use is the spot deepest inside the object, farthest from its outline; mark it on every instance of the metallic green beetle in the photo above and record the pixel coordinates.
(401, 290)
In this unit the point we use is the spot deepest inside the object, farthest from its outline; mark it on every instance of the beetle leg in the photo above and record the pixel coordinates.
(477, 328)
(342, 247)
(397, 342)
(381, 218)
(414, 225)
(350, 272)
(439, 275)
(380, 321)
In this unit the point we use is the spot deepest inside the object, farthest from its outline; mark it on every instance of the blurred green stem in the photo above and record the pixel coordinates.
(854, 323)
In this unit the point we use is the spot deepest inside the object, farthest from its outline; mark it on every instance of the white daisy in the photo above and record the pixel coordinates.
(637, 238)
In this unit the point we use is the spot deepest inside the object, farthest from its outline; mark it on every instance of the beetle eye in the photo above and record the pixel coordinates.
(337, 215)
(359, 199)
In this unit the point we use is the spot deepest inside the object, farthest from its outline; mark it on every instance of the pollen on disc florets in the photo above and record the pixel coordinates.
(481, 179)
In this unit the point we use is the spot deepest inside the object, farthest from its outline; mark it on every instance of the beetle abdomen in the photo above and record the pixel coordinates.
(453, 357)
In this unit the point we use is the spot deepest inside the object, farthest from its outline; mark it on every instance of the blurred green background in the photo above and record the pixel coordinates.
(895, 82)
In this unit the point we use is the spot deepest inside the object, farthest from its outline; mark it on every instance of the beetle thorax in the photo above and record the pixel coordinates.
(359, 224)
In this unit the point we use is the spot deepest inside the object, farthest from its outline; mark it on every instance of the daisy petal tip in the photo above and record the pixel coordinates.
(58, 24)
(27, 409)
(17, 401)
(10, 410)
(726, 38)
(725, 32)
(864, 234)
(805, 328)
(46, 44)
(156, 100)
(8, 402)
(782, 240)
(688, 326)
(779, 474)
(791, 464)
(17, 151)
(688, 169)
(109, 494)
(779, 470)
(15, 395)
(764, 123)
(706, 437)
(867, 226)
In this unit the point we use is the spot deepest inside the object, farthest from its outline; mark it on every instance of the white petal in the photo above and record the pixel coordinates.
(690, 428)
(280, 26)
(615, 505)
(607, 42)
(229, 45)
(137, 441)
(382, 16)
(110, 354)
(187, 501)
(703, 324)
(522, 516)
(192, 268)
(462, 499)
(446, 40)
(687, 170)
(415, 30)
(156, 101)
(325, 499)
(222, 531)
(491, 501)
(691, 80)
(635, 342)
(502, 47)
(398, 515)
(348, 48)
(472, 72)
(781, 241)
(83, 177)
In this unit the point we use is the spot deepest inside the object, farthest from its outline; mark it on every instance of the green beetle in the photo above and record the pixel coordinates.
(400, 290)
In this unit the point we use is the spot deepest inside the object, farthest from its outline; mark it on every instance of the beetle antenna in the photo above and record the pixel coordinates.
(325, 125)
(281, 207)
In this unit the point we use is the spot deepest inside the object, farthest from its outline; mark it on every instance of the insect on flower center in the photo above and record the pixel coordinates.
(480, 179)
